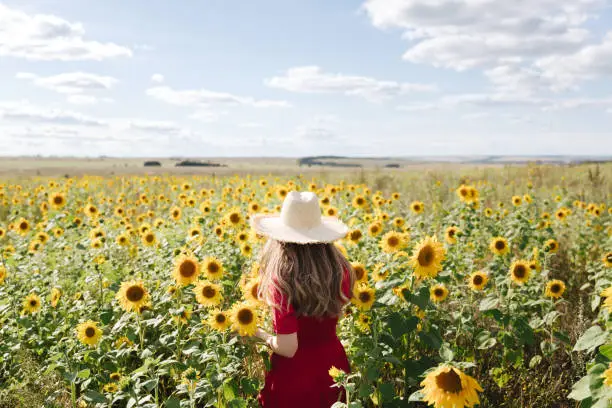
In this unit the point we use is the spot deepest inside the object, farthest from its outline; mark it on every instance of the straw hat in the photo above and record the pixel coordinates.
(300, 221)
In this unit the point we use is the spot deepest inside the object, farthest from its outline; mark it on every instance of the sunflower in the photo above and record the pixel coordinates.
(380, 273)
(148, 239)
(335, 373)
(417, 207)
(374, 229)
(449, 387)
(361, 273)
(207, 293)
(516, 200)
(554, 289)
(341, 248)
(520, 271)
(499, 246)
(245, 318)
(186, 270)
(363, 296)
(331, 211)
(213, 268)
(110, 388)
(55, 296)
(488, 212)
(560, 214)
(57, 200)
(234, 218)
(116, 376)
(359, 201)
(607, 259)
(175, 213)
(607, 375)
(31, 304)
(438, 293)
(354, 236)
(183, 317)
(89, 333)
(250, 290)
(122, 239)
(2, 274)
(478, 280)
(427, 258)
(23, 226)
(133, 296)
(451, 234)
(218, 320)
(551, 246)
(392, 241)
(363, 322)
(2, 233)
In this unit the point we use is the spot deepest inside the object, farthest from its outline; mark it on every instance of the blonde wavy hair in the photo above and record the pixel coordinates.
(308, 276)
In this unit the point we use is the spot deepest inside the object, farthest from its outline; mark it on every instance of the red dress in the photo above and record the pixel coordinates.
(303, 381)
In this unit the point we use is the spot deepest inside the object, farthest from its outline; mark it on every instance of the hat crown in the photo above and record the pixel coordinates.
(301, 210)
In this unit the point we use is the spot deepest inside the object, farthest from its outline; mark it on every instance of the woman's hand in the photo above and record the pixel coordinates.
(262, 334)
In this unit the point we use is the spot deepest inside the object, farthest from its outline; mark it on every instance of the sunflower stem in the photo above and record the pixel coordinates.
(140, 331)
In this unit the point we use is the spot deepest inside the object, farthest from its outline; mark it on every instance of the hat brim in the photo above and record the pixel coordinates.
(271, 225)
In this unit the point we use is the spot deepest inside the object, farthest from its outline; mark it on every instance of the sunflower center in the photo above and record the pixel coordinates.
(449, 382)
(463, 192)
(150, 238)
(90, 332)
(23, 226)
(555, 288)
(234, 218)
(609, 257)
(417, 207)
(220, 318)
(438, 292)
(208, 292)
(451, 233)
(499, 245)
(134, 293)
(426, 256)
(33, 302)
(58, 200)
(520, 271)
(359, 201)
(359, 272)
(393, 241)
(355, 235)
(245, 316)
(187, 269)
(364, 297)
(477, 280)
(552, 245)
(254, 290)
(213, 267)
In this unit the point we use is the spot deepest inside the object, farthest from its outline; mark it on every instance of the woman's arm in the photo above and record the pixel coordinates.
(285, 345)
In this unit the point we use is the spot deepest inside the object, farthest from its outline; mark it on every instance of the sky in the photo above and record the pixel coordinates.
(209, 78)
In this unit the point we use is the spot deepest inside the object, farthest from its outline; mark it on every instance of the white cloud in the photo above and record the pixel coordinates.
(207, 116)
(158, 78)
(49, 37)
(86, 100)
(251, 125)
(70, 82)
(204, 98)
(522, 44)
(24, 111)
(590, 62)
(312, 79)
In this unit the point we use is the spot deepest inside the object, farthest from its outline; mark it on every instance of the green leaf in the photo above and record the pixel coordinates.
(606, 351)
(421, 299)
(591, 339)
(446, 353)
(488, 303)
(535, 361)
(484, 340)
(431, 338)
(237, 403)
(400, 325)
(386, 391)
(172, 402)
(524, 331)
(580, 390)
(416, 396)
(95, 397)
(84, 373)
(365, 390)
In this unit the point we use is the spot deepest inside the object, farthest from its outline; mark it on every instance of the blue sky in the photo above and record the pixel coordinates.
(289, 78)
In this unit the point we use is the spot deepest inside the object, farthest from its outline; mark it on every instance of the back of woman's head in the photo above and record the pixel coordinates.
(307, 276)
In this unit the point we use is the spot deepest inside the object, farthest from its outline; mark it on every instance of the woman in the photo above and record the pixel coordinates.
(306, 281)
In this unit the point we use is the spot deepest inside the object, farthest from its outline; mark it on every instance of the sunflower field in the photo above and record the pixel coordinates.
(481, 287)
